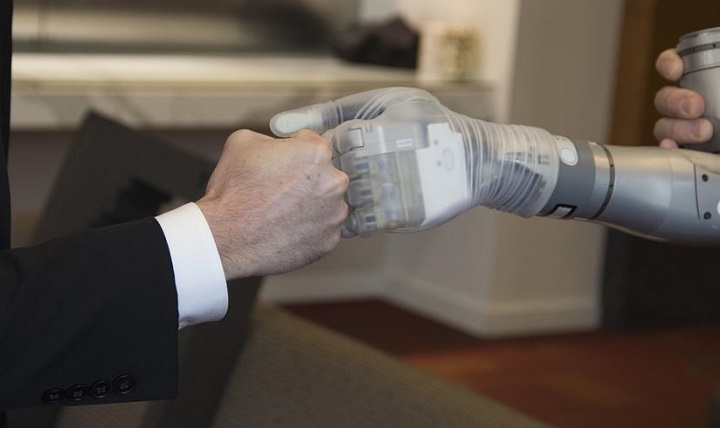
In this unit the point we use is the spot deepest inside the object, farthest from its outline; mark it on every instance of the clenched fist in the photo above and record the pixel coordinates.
(274, 205)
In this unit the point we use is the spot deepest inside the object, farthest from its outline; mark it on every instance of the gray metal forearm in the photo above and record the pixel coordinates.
(671, 195)
(662, 194)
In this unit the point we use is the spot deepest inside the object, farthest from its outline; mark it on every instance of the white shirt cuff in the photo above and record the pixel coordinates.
(199, 276)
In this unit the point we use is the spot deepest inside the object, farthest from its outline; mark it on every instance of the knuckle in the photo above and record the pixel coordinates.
(309, 136)
(343, 181)
(240, 136)
(305, 133)
(344, 210)
(317, 151)
(323, 149)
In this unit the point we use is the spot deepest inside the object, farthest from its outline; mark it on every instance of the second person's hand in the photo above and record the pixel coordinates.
(681, 107)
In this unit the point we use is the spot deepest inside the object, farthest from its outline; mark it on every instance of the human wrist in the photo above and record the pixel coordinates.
(212, 213)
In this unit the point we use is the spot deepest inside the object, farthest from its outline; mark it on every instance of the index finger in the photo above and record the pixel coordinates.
(669, 65)
(325, 116)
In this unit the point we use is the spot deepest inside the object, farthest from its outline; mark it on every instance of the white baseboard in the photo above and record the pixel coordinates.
(469, 314)
(493, 319)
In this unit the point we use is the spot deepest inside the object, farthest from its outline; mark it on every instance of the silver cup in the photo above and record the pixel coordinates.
(700, 52)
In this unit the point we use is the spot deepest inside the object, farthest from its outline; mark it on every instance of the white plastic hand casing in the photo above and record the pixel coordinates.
(405, 176)
(413, 164)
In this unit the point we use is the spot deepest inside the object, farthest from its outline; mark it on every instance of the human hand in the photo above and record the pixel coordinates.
(415, 164)
(683, 108)
(274, 205)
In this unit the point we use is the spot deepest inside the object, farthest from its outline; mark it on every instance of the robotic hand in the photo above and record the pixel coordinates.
(415, 164)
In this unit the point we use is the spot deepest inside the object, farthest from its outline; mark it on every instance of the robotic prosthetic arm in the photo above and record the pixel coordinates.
(671, 195)
(414, 164)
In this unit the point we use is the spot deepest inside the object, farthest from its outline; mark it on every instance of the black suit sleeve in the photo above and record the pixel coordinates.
(91, 317)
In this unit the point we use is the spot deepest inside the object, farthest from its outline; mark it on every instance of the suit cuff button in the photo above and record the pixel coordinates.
(52, 396)
(123, 384)
(100, 389)
(77, 392)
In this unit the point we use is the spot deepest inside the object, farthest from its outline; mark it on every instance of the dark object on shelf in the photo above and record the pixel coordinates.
(392, 44)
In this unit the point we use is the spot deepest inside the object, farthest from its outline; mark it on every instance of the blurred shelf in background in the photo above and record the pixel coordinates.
(54, 91)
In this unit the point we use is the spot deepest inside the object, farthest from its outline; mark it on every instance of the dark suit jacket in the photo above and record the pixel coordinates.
(89, 318)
